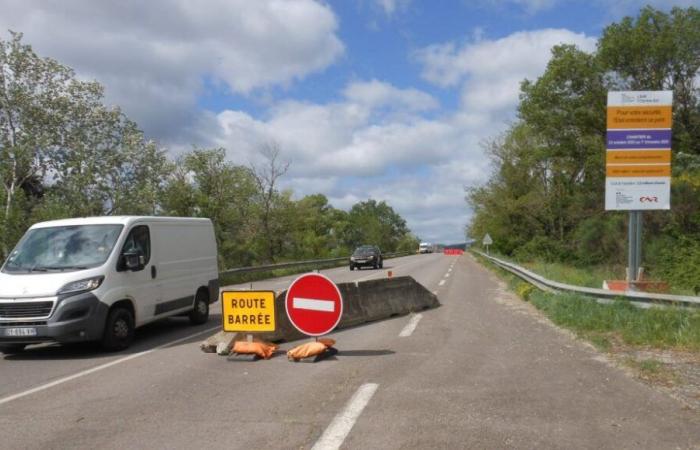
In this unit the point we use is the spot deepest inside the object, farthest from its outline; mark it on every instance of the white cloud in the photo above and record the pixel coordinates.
(153, 56)
(376, 93)
(490, 71)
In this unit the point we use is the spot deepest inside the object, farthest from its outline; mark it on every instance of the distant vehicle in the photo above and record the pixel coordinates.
(425, 247)
(366, 255)
(99, 278)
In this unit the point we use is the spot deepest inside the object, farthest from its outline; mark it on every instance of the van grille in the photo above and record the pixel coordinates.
(16, 310)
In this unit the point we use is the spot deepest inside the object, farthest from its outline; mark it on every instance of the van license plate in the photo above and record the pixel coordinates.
(20, 332)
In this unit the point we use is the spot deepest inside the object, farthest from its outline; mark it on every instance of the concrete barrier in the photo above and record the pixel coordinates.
(363, 302)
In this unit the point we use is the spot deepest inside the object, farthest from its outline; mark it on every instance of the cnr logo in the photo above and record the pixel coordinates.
(648, 199)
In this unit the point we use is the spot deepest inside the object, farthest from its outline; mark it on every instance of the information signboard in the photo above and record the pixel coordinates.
(638, 155)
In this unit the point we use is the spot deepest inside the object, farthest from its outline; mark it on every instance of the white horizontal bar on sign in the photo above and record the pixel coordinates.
(640, 98)
(313, 304)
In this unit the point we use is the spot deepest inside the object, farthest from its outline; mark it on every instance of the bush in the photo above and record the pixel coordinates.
(543, 248)
(600, 239)
(677, 261)
(524, 290)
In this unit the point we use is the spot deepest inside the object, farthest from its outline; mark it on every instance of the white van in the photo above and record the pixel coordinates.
(99, 278)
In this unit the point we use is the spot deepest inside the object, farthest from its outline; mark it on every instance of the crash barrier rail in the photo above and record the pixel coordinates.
(645, 298)
(294, 264)
(363, 302)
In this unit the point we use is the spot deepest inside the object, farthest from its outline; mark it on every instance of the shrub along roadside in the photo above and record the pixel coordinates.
(675, 328)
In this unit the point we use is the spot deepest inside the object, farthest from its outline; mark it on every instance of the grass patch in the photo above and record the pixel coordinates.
(674, 328)
(653, 371)
(655, 327)
(579, 276)
(600, 341)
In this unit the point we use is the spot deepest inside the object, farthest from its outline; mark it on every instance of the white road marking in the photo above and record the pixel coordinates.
(411, 325)
(447, 275)
(313, 304)
(341, 425)
(442, 282)
(98, 368)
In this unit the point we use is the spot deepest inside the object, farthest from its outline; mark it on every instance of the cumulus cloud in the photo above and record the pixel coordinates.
(490, 71)
(153, 56)
(348, 138)
(376, 93)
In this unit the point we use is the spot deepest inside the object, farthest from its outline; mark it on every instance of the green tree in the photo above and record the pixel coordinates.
(657, 51)
(204, 184)
(375, 223)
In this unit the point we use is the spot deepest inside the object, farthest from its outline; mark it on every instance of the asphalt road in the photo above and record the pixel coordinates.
(481, 371)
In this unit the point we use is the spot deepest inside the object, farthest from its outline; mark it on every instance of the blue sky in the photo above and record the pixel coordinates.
(383, 99)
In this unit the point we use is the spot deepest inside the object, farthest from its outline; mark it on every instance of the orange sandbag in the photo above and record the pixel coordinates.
(328, 342)
(306, 350)
(262, 349)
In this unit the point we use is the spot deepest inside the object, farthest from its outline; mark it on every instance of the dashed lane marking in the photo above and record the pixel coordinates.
(411, 325)
(341, 425)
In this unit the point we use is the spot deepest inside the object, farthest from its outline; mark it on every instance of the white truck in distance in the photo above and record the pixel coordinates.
(425, 247)
(99, 278)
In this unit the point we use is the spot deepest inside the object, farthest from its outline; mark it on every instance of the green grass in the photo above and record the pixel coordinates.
(589, 276)
(653, 370)
(600, 324)
(655, 327)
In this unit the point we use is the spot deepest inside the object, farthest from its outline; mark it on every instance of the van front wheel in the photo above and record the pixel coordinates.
(200, 312)
(119, 329)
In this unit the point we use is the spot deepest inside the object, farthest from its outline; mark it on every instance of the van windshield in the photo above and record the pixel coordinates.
(63, 248)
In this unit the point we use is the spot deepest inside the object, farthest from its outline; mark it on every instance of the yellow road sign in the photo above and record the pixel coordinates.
(248, 310)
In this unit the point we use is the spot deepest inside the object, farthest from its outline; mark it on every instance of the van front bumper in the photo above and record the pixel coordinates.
(76, 318)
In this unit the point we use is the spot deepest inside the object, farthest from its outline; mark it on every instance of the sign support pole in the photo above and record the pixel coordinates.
(638, 253)
(634, 256)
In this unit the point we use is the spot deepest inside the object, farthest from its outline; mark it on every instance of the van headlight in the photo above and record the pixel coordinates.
(85, 285)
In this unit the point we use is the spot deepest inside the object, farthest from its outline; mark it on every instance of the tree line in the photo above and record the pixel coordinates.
(63, 153)
(545, 197)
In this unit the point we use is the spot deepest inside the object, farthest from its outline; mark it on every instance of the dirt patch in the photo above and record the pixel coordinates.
(675, 372)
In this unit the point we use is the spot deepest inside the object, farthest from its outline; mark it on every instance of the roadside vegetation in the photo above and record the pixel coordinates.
(544, 201)
(64, 153)
(605, 325)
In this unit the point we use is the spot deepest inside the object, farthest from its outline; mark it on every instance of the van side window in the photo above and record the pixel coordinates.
(138, 240)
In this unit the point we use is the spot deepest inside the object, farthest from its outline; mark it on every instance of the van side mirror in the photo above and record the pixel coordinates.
(133, 261)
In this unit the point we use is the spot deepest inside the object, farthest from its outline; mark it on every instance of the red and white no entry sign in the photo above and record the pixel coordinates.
(314, 304)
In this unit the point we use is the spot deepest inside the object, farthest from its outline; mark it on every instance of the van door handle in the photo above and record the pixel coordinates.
(153, 271)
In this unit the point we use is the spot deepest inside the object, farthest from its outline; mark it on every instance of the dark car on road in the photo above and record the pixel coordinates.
(366, 255)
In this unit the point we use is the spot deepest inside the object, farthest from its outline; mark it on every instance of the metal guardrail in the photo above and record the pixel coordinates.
(554, 286)
(289, 265)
